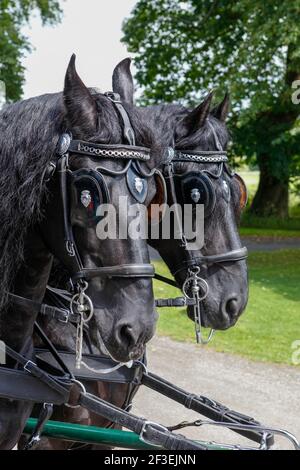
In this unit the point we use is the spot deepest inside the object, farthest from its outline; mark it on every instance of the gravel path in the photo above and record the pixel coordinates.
(270, 393)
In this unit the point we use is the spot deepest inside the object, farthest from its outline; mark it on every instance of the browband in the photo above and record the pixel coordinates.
(204, 156)
(127, 152)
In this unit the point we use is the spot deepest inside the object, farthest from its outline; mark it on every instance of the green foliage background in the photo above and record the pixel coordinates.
(249, 47)
(14, 14)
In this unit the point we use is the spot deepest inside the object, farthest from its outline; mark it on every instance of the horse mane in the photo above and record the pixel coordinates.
(162, 120)
(29, 131)
(204, 136)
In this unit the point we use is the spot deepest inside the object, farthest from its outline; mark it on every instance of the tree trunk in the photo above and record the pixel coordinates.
(272, 196)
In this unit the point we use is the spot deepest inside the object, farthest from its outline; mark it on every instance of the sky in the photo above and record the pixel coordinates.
(89, 28)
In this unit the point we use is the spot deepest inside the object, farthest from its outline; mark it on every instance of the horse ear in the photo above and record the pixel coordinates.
(123, 82)
(194, 119)
(221, 111)
(79, 103)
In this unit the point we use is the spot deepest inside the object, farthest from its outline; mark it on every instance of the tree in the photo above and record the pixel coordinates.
(250, 47)
(14, 14)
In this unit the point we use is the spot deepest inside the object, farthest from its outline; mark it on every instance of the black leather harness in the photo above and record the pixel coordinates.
(53, 382)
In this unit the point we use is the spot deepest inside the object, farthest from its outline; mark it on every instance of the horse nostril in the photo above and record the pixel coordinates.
(232, 307)
(127, 336)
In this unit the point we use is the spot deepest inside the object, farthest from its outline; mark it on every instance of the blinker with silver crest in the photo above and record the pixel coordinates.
(136, 184)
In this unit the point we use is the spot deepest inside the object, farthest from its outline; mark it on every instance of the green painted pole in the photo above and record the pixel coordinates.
(89, 434)
(94, 435)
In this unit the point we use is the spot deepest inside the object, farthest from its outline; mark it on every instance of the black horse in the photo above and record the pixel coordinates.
(196, 130)
(194, 134)
(35, 226)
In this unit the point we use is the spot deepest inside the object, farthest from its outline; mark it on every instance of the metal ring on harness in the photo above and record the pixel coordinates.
(195, 279)
(81, 300)
(194, 282)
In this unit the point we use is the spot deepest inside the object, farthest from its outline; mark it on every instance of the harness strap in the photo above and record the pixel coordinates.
(30, 367)
(205, 406)
(118, 151)
(45, 414)
(122, 270)
(148, 431)
(19, 385)
(229, 257)
(52, 349)
(174, 302)
(166, 280)
(127, 127)
(234, 255)
(63, 315)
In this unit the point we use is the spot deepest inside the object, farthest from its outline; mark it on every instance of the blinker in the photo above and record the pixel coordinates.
(137, 185)
(195, 188)
(90, 190)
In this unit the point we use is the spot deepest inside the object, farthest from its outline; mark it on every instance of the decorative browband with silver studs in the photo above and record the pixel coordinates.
(109, 151)
(200, 156)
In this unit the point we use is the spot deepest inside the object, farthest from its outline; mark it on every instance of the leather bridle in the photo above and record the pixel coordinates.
(75, 266)
(195, 288)
(204, 157)
(128, 152)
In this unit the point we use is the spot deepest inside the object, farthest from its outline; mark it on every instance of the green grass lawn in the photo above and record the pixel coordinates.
(271, 321)
(270, 233)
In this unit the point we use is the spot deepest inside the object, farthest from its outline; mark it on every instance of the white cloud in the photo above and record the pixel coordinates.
(91, 29)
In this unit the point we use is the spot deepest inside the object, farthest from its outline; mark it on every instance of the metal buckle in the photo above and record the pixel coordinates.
(65, 316)
(114, 97)
(144, 430)
(70, 248)
(25, 367)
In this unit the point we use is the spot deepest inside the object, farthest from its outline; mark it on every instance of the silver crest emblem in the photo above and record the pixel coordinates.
(139, 185)
(195, 195)
(86, 198)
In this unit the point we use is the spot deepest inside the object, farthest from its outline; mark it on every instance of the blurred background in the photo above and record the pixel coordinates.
(180, 50)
